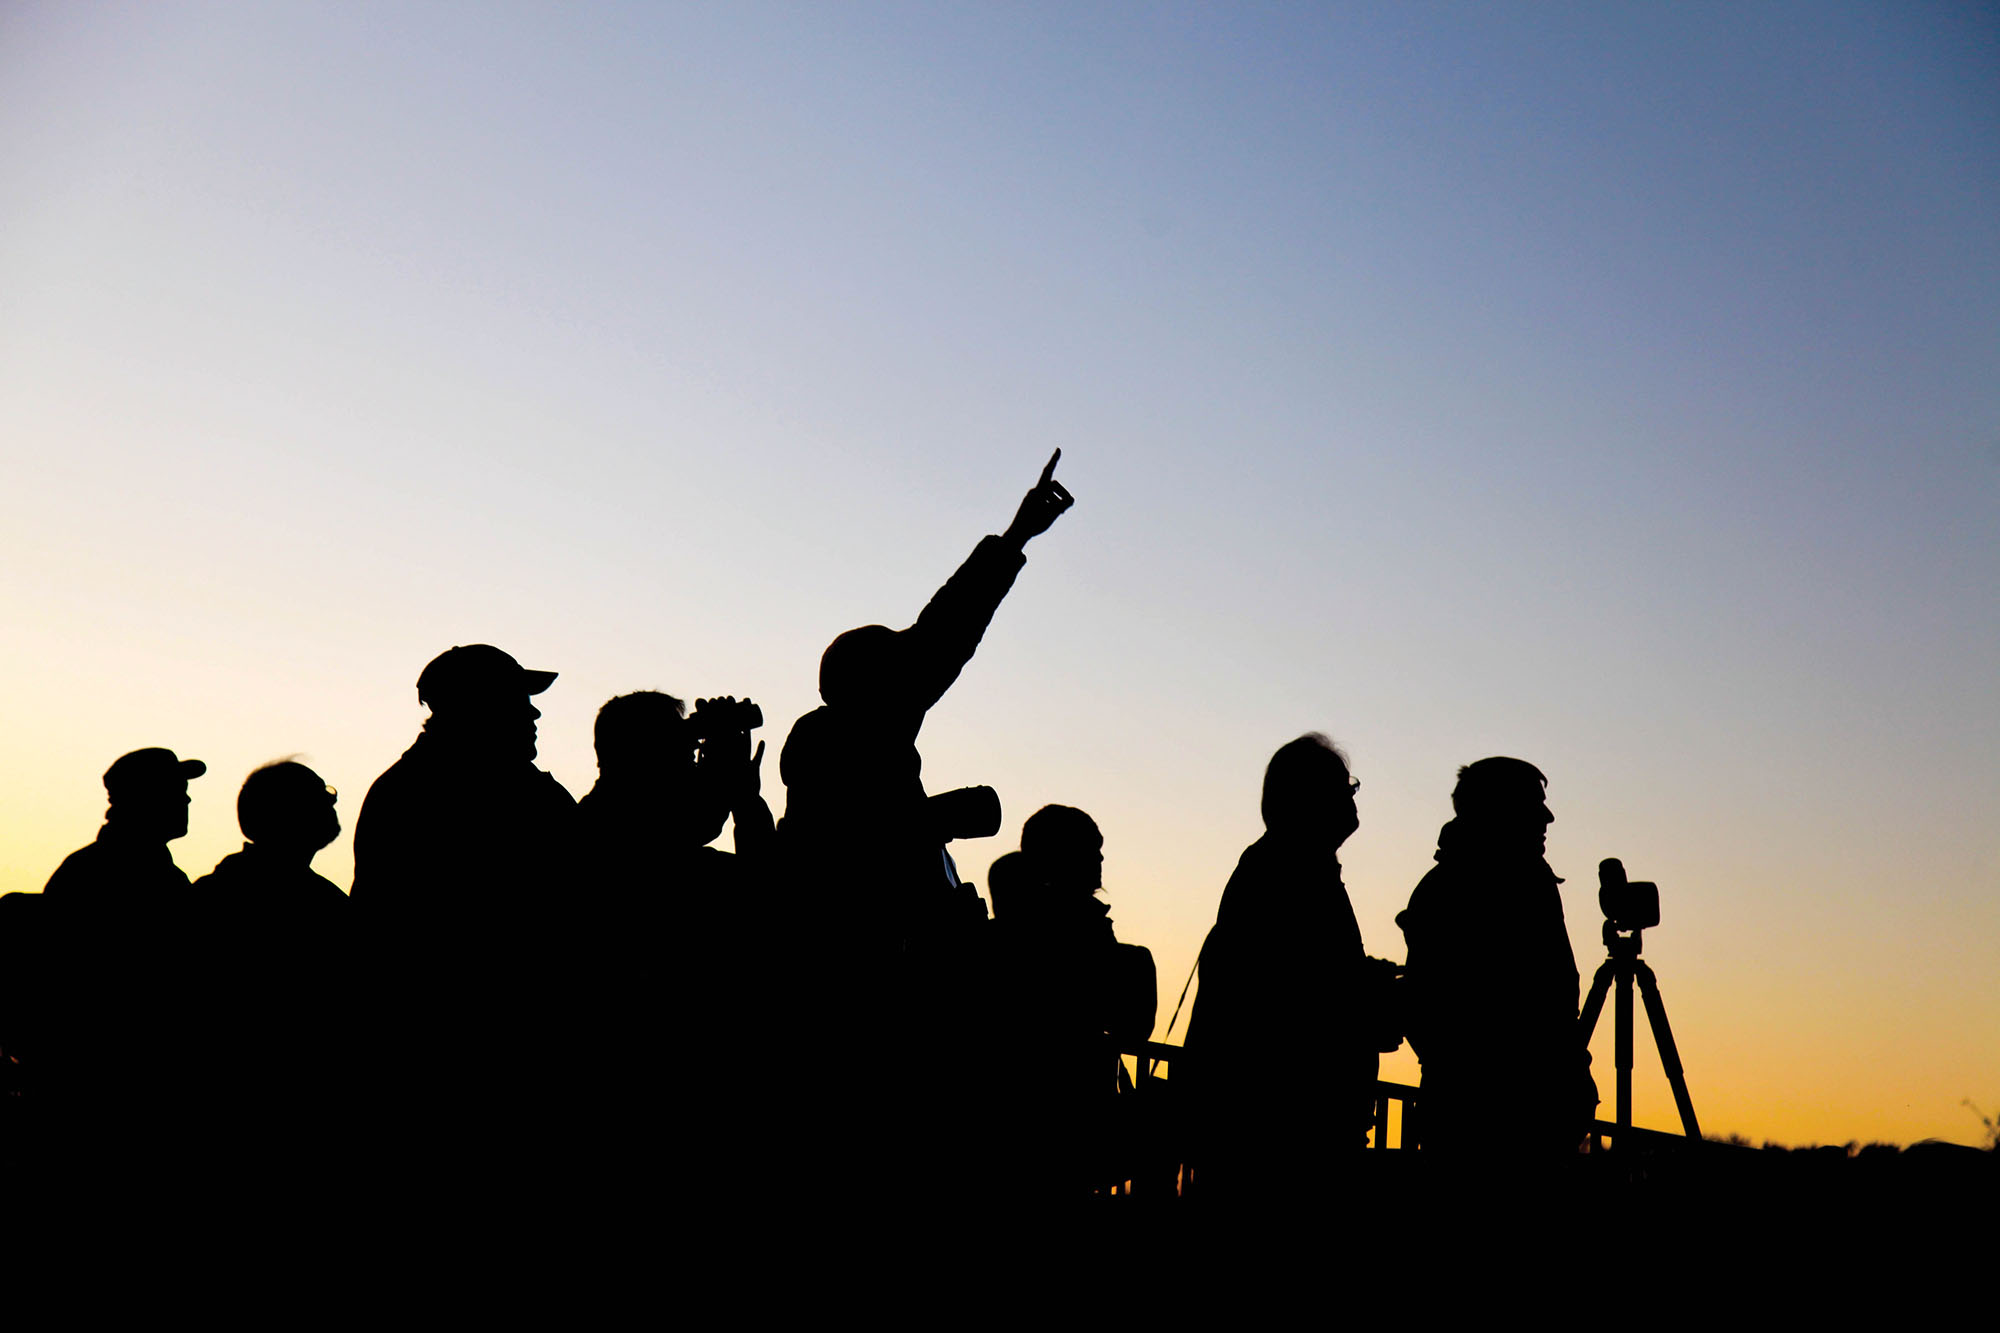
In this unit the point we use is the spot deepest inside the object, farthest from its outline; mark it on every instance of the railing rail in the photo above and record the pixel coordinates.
(1410, 1122)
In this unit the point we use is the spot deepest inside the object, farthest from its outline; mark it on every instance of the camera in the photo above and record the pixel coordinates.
(712, 718)
(1627, 904)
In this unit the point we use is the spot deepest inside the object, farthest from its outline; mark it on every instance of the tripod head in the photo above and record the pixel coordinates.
(1629, 907)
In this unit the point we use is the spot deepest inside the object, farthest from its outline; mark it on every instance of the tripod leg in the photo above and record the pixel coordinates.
(1622, 1018)
(1670, 1056)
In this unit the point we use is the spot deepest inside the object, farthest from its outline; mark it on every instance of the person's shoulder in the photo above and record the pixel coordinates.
(1132, 955)
(396, 781)
(78, 870)
(822, 721)
(713, 868)
(235, 865)
(809, 736)
(82, 858)
(550, 789)
(18, 902)
(1439, 882)
(1261, 854)
(1248, 883)
(1438, 905)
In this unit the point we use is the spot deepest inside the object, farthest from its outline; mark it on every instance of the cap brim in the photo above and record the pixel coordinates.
(538, 681)
(191, 769)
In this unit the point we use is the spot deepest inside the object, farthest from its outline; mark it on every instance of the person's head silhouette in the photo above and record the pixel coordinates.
(1308, 792)
(643, 737)
(1504, 801)
(480, 701)
(1066, 850)
(287, 808)
(863, 669)
(149, 795)
(1010, 881)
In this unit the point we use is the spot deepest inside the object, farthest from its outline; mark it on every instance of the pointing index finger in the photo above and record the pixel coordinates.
(1050, 470)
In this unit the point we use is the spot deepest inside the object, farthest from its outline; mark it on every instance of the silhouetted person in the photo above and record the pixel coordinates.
(1065, 854)
(884, 912)
(856, 811)
(276, 950)
(682, 976)
(464, 883)
(1282, 1042)
(123, 1065)
(1492, 981)
(1067, 996)
(286, 813)
(664, 791)
(129, 867)
(464, 830)
(1008, 879)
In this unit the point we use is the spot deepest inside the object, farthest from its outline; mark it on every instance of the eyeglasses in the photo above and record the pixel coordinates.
(1353, 786)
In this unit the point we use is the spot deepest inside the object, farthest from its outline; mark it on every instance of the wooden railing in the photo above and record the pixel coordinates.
(1409, 1123)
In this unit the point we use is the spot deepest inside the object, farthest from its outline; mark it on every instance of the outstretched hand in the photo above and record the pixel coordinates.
(1041, 507)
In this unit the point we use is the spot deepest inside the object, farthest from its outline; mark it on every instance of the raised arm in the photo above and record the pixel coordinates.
(948, 632)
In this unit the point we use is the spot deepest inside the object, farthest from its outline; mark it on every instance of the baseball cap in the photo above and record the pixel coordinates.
(150, 767)
(476, 669)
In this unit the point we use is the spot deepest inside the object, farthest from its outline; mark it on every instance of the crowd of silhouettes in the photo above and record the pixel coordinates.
(526, 997)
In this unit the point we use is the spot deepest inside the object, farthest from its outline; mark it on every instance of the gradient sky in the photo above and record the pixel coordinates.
(1614, 386)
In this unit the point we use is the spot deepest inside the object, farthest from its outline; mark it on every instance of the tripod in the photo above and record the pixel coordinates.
(1624, 964)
